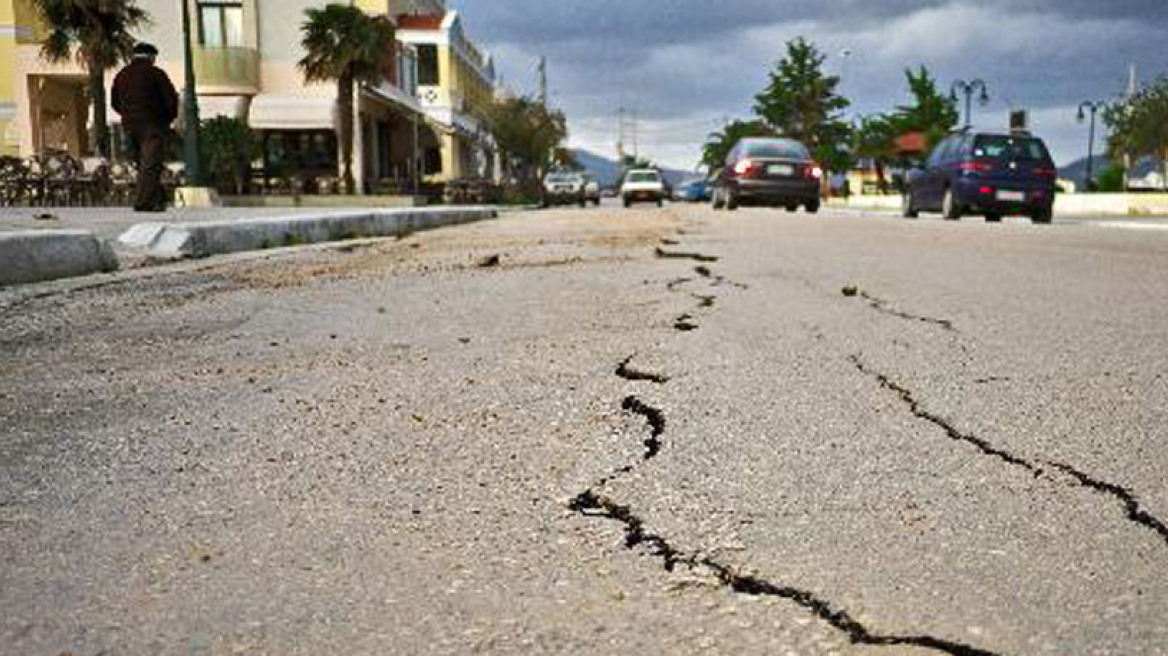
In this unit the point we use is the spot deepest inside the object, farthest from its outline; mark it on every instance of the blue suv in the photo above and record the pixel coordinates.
(984, 173)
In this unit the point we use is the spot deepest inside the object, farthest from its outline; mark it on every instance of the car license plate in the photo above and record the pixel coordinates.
(781, 169)
(1011, 196)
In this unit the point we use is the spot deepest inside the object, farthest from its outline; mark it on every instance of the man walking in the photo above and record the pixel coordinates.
(148, 104)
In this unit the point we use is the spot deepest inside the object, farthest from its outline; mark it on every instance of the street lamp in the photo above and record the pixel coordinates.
(191, 156)
(970, 88)
(1092, 106)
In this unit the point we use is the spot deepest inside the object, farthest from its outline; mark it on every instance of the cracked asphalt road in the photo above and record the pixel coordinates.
(390, 447)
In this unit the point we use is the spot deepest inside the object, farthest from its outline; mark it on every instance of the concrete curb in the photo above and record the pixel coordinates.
(38, 255)
(206, 238)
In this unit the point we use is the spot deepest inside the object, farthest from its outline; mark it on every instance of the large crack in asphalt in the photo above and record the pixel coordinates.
(685, 323)
(677, 255)
(628, 372)
(1130, 502)
(717, 280)
(1134, 512)
(907, 397)
(881, 305)
(654, 417)
(590, 503)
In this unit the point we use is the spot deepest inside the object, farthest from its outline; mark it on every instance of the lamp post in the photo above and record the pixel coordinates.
(968, 89)
(1092, 106)
(190, 113)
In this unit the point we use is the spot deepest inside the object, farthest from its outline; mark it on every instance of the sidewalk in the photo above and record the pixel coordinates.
(38, 244)
(107, 223)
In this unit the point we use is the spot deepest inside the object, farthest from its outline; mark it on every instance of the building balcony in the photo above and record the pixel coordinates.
(227, 70)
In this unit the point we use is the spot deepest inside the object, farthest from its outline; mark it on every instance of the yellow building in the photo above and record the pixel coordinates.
(17, 27)
(455, 81)
(246, 55)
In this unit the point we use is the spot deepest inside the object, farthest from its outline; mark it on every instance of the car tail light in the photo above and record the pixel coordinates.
(813, 171)
(987, 190)
(744, 167)
(975, 167)
(1048, 172)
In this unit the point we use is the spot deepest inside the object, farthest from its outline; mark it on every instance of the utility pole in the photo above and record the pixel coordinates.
(636, 150)
(620, 140)
(543, 85)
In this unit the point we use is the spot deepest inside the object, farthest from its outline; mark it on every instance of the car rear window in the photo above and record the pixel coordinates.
(644, 177)
(777, 149)
(1010, 148)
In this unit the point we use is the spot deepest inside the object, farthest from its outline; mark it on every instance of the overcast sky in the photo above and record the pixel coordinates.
(687, 65)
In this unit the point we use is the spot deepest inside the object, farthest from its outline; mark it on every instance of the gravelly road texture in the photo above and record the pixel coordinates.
(597, 432)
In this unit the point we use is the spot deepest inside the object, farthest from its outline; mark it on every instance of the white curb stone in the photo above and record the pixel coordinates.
(36, 255)
(206, 238)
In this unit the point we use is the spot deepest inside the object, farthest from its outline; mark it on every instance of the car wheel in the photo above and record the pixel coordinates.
(1043, 216)
(660, 203)
(908, 206)
(812, 207)
(716, 199)
(993, 218)
(949, 207)
(628, 203)
(792, 208)
(583, 202)
(731, 200)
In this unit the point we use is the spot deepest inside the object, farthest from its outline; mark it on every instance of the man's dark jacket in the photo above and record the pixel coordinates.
(144, 96)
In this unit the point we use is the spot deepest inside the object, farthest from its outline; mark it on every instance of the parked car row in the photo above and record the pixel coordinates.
(980, 173)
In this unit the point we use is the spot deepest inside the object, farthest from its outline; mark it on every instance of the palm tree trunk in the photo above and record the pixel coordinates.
(101, 135)
(345, 107)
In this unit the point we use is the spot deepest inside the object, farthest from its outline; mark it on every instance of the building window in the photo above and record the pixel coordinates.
(428, 66)
(221, 25)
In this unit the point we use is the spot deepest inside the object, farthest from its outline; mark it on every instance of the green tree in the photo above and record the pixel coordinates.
(98, 33)
(527, 133)
(1111, 179)
(229, 147)
(932, 113)
(1139, 125)
(347, 46)
(875, 139)
(802, 102)
(718, 144)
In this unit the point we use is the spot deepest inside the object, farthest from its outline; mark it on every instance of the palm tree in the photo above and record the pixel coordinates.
(98, 33)
(346, 45)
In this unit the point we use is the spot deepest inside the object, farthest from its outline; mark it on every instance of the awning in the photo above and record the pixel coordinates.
(229, 106)
(280, 112)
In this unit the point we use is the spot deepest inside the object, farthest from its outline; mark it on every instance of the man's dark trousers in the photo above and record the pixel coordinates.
(150, 145)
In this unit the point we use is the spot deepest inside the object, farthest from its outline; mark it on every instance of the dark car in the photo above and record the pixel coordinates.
(768, 171)
(984, 173)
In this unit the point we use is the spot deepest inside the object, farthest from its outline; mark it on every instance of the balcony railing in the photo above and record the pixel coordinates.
(231, 68)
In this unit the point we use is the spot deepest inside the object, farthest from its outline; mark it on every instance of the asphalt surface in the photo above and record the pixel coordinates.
(598, 431)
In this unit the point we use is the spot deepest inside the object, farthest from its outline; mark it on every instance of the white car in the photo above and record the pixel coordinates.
(643, 185)
(591, 190)
(564, 189)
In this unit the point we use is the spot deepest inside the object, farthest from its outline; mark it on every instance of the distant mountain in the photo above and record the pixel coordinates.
(1077, 171)
(607, 171)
